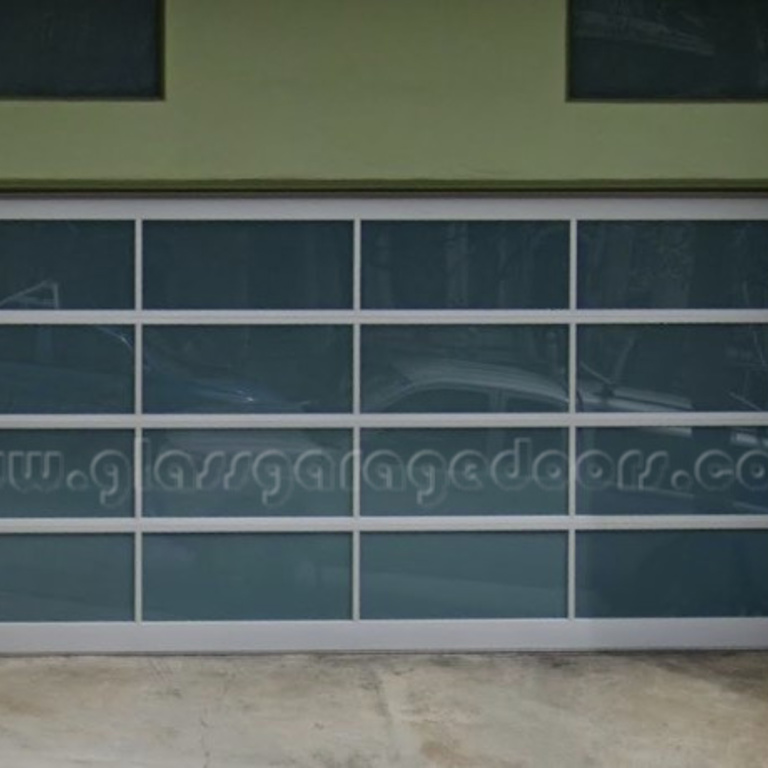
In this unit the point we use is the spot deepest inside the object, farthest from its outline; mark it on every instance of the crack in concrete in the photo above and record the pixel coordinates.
(204, 742)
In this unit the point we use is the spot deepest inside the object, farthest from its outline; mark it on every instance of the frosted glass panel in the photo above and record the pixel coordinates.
(464, 472)
(66, 369)
(269, 473)
(66, 264)
(465, 265)
(677, 368)
(247, 369)
(463, 575)
(247, 265)
(673, 264)
(672, 471)
(66, 473)
(48, 577)
(669, 574)
(464, 368)
(238, 577)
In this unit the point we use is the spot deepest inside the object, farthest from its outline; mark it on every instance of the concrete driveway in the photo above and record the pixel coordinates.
(341, 711)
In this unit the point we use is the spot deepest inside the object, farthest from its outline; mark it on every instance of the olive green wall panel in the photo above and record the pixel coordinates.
(357, 93)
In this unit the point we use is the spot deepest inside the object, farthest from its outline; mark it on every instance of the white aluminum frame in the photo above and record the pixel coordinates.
(365, 635)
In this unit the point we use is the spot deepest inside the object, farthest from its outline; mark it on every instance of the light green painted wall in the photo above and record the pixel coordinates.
(371, 93)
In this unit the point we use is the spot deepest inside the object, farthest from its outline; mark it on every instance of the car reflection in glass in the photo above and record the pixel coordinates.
(171, 387)
(464, 369)
(90, 369)
(673, 367)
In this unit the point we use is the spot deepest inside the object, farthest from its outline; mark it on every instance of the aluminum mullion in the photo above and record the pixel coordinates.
(672, 522)
(68, 525)
(669, 316)
(660, 420)
(213, 524)
(356, 409)
(395, 524)
(389, 317)
(356, 545)
(68, 317)
(138, 453)
(68, 421)
(615, 207)
(530, 523)
(572, 402)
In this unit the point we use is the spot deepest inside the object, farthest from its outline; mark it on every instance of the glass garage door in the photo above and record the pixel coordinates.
(325, 424)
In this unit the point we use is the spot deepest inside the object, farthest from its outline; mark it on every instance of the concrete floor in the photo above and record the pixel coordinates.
(491, 711)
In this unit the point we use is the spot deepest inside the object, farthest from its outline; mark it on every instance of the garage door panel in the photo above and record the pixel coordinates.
(383, 424)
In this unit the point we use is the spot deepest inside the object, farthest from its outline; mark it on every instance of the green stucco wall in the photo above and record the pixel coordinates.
(271, 94)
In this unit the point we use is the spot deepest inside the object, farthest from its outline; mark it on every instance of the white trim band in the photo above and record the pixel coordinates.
(466, 635)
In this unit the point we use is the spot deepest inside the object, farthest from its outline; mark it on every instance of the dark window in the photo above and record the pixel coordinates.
(80, 48)
(656, 49)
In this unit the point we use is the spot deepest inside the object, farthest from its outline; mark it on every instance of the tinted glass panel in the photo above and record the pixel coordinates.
(66, 369)
(651, 368)
(66, 473)
(247, 265)
(247, 369)
(272, 473)
(465, 265)
(672, 574)
(66, 578)
(66, 264)
(673, 264)
(89, 48)
(463, 575)
(464, 472)
(496, 368)
(673, 471)
(232, 577)
(655, 49)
